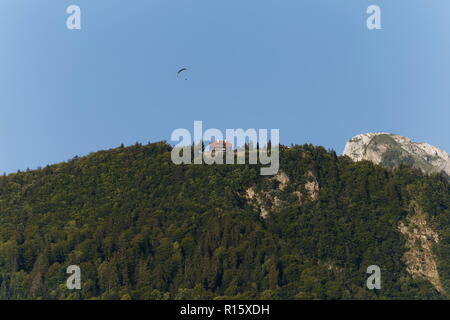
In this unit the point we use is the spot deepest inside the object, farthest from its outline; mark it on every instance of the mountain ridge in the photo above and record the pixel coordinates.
(141, 227)
(391, 150)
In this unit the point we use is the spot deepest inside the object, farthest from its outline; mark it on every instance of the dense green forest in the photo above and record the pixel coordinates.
(141, 227)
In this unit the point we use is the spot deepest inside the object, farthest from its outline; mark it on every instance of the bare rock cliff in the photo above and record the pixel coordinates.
(392, 150)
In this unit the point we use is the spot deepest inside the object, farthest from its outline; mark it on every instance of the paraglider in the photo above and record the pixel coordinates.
(181, 71)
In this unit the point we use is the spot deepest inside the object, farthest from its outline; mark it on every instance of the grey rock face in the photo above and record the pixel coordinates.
(392, 150)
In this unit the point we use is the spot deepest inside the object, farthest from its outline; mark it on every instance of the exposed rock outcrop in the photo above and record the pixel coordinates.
(269, 200)
(312, 186)
(261, 199)
(420, 238)
(392, 150)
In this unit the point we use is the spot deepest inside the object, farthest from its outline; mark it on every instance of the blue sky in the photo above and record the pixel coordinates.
(310, 68)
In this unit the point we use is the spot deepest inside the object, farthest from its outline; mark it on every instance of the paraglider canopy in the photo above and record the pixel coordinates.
(181, 70)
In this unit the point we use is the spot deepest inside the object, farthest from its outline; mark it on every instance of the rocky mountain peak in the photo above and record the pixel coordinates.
(392, 150)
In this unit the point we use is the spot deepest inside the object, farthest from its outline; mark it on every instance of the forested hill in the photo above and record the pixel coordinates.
(141, 227)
